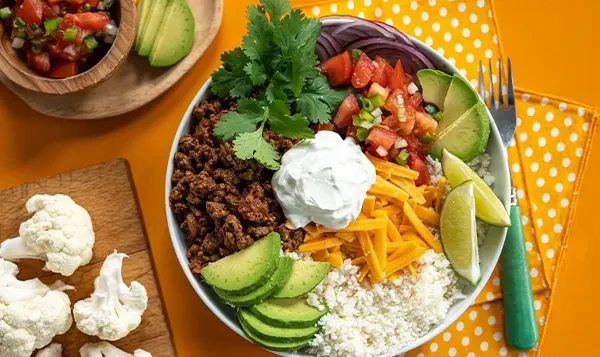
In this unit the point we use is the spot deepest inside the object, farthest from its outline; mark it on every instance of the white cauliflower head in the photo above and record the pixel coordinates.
(53, 350)
(60, 232)
(105, 349)
(114, 309)
(31, 313)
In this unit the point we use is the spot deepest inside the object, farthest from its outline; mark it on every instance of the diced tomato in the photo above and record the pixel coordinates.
(351, 132)
(93, 21)
(75, 2)
(55, 2)
(348, 108)
(381, 137)
(93, 3)
(63, 69)
(372, 149)
(338, 69)
(416, 163)
(48, 12)
(382, 71)
(67, 51)
(424, 124)
(322, 127)
(415, 100)
(31, 11)
(404, 115)
(377, 89)
(363, 71)
(396, 79)
(39, 62)
(414, 145)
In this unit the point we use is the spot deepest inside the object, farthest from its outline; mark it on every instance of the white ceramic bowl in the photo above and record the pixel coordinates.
(489, 251)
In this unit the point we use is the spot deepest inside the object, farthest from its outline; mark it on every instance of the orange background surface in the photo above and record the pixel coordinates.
(554, 47)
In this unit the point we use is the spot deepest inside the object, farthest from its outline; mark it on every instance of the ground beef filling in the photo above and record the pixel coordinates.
(224, 203)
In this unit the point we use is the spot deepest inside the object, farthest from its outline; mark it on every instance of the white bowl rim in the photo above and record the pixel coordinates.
(196, 284)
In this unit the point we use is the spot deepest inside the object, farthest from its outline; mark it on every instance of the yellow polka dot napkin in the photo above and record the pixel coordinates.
(547, 158)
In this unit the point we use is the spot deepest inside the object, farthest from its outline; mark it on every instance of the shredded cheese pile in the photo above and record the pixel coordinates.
(391, 232)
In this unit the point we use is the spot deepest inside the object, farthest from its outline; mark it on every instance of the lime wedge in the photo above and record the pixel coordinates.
(488, 207)
(459, 232)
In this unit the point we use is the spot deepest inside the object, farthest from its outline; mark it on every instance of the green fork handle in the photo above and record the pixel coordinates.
(519, 314)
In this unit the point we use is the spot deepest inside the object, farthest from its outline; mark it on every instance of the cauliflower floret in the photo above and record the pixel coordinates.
(53, 350)
(31, 313)
(105, 349)
(60, 232)
(114, 309)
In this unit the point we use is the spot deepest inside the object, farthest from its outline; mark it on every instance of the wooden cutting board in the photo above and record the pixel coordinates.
(108, 193)
(135, 84)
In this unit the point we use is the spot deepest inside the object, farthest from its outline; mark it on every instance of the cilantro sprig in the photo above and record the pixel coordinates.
(274, 77)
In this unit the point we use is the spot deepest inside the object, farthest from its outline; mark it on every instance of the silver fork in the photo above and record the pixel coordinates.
(519, 314)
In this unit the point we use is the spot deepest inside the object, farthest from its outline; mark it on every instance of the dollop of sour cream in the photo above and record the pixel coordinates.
(324, 180)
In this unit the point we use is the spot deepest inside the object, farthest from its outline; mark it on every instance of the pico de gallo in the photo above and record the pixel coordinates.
(59, 38)
(385, 113)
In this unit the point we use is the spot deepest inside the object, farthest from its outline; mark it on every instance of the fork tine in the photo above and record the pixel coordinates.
(511, 87)
(492, 99)
(500, 94)
(481, 82)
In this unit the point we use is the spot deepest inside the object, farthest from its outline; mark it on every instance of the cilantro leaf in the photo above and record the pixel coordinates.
(253, 145)
(318, 100)
(311, 107)
(231, 79)
(297, 33)
(251, 108)
(256, 43)
(274, 92)
(276, 9)
(290, 126)
(232, 124)
(256, 72)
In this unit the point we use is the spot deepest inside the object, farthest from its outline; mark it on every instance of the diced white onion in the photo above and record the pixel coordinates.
(18, 42)
(70, 50)
(100, 5)
(87, 33)
(381, 151)
(400, 143)
(377, 120)
(109, 39)
(110, 29)
(377, 112)
(412, 88)
(56, 9)
(366, 125)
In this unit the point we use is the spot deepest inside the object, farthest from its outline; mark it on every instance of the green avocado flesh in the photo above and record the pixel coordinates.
(435, 85)
(143, 9)
(467, 137)
(461, 97)
(273, 345)
(305, 276)
(156, 10)
(273, 333)
(279, 277)
(246, 270)
(176, 36)
(287, 313)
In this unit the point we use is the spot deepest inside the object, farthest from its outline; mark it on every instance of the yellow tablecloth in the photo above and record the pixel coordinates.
(33, 146)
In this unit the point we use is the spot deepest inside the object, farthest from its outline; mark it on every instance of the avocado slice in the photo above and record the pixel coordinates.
(273, 333)
(273, 345)
(176, 36)
(143, 9)
(246, 270)
(435, 85)
(155, 15)
(295, 313)
(461, 97)
(275, 282)
(466, 137)
(305, 276)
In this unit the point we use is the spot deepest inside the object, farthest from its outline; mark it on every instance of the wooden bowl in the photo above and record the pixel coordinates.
(15, 69)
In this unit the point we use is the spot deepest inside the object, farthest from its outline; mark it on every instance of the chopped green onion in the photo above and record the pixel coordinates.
(19, 34)
(33, 27)
(402, 157)
(428, 138)
(356, 120)
(362, 133)
(438, 116)
(365, 115)
(87, 7)
(51, 25)
(19, 23)
(376, 100)
(431, 109)
(366, 104)
(5, 13)
(70, 34)
(36, 46)
(355, 54)
(90, 42)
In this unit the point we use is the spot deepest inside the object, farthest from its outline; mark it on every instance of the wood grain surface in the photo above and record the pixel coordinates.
(107, 192)
(16, 70)
(135, 84)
